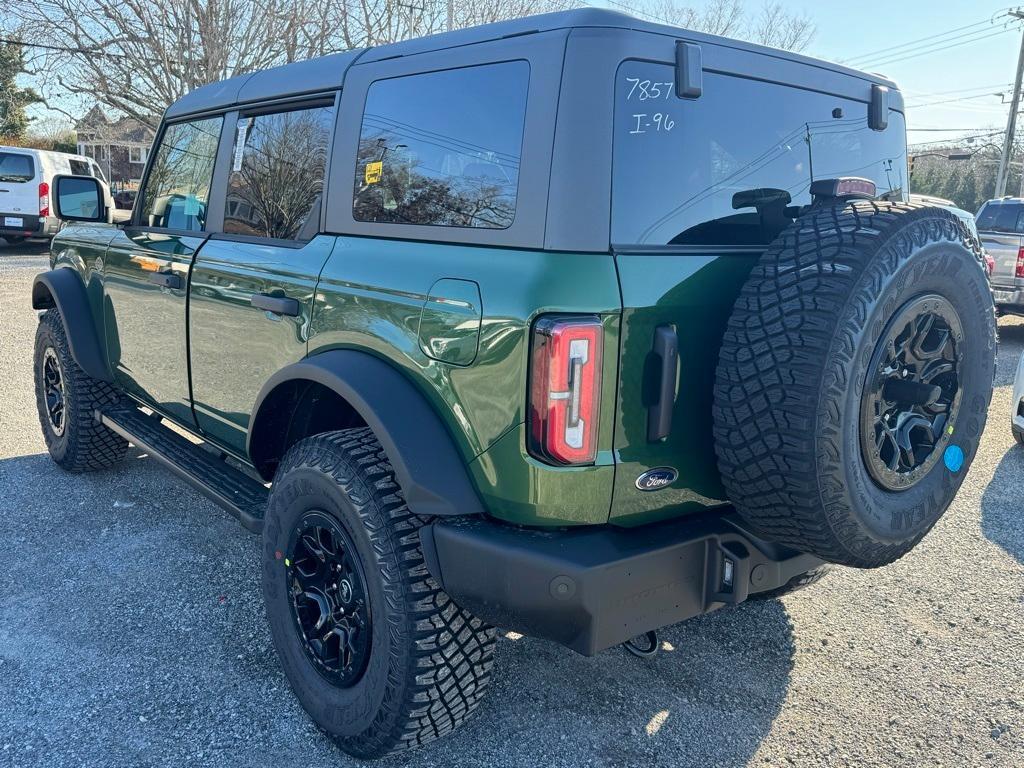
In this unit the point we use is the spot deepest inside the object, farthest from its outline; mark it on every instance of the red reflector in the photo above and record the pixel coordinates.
(565, 389)
(44, 199)
(1020, 263)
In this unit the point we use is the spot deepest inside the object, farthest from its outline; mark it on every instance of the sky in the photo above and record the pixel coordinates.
(978, 68)
(966, 64)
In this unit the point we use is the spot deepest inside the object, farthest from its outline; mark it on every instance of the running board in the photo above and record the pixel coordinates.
(241, 495)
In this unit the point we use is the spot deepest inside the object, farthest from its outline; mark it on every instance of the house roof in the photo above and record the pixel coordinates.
(328, 72)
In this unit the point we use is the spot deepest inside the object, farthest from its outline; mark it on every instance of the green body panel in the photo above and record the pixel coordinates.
(372, 295)
(147, 346)
(236, 347)
(695, 294)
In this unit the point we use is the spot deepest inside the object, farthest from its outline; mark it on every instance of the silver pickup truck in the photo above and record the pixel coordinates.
(1001, 228)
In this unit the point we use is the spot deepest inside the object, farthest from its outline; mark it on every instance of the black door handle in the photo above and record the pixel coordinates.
(279, 305)
(659, 417)
(170, 280)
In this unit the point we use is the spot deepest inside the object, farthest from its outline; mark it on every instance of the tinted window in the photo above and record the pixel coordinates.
(1001, 217)
(724, 168)
(16, 168)
(277, 174)
(443, 148)
(178, 185)
(79, 168)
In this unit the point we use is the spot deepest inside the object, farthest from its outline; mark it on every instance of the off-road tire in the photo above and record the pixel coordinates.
(794, 362)
(84, 443)
(795, 584)
(14, 239)
(430, 661)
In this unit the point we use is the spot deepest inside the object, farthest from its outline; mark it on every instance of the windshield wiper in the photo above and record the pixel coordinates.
(14, 178)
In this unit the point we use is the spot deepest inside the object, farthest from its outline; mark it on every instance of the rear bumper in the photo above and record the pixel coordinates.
(592, 588)
(26, 225)
(1008, 298)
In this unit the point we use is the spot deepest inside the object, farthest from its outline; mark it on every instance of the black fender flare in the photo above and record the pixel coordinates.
(63, 289)
(427, 464)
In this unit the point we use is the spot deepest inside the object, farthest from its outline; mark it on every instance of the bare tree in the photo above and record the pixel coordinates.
(770, 25)
(136, 56)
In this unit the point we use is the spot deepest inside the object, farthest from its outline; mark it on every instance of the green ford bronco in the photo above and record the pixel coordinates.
(574, 325)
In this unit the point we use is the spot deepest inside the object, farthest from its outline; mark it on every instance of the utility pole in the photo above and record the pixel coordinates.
(1011, 122)
(451, 15)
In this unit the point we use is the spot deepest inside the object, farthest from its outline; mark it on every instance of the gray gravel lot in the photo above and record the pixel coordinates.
(132, 633)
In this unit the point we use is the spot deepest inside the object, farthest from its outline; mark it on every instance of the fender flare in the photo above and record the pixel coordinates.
(429, 469)
(62, 289)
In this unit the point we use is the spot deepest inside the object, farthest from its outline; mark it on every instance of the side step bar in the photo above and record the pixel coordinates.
(241, 495)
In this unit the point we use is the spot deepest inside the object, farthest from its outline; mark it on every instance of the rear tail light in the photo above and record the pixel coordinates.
(44, 199)
(1020, 263)
(565, 389)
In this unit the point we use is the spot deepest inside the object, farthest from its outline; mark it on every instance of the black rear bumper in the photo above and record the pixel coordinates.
(590, 589)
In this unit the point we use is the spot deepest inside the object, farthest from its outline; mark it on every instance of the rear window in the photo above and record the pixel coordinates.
(443, 148)
(1001, 217)
(16, 168)
(79, 168)
(724, 169)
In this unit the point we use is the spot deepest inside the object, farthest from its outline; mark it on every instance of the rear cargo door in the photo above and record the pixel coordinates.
(19, 192)
(700, 187)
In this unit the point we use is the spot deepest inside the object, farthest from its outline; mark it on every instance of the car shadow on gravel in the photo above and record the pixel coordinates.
(1001, 519)
(155, 649)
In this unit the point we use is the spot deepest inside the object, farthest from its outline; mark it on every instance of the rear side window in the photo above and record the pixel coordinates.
(178, 185)
(79, 168)
(277, 174)
(443, 148)
(1001, 217)
(724, 169)
(16, 168)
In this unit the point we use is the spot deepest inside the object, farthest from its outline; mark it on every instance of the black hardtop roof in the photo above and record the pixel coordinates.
(328, 72)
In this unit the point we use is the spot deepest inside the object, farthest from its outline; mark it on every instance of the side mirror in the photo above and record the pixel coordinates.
(80, 198)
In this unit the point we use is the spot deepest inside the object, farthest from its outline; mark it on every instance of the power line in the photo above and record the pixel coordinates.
(913, 54)
(953, 101)
(910, 43)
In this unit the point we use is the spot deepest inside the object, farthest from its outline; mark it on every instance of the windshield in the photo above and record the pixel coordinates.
(1001, 217)
(15, 167)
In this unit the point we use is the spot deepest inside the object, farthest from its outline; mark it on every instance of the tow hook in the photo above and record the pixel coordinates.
(644, 646)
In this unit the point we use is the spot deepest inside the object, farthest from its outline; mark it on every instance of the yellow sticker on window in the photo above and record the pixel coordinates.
(373, 171)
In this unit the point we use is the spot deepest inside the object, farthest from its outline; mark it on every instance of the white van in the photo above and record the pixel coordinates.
(26, 178)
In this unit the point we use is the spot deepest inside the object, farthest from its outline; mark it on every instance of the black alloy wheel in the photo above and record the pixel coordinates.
(53, 391)
(329, 598)
(913, 391)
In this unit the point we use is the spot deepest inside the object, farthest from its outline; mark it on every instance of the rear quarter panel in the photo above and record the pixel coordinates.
(370, 297)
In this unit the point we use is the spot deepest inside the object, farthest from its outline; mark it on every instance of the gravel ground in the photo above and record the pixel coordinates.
(132, 634)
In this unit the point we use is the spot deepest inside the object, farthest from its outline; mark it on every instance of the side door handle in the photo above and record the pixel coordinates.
(170, 280)
(659, 417)
(279, 305)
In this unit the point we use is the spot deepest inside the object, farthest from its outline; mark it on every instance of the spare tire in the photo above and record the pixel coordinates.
(854, 380)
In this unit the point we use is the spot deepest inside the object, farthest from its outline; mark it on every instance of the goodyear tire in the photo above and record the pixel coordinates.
(854, 380)
(66, 398)
(376, 653)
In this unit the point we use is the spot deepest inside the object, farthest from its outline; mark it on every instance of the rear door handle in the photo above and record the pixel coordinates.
(279, 305)
(659, 417)
(170, 280)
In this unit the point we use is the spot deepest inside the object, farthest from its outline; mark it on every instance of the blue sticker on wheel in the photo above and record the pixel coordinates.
(953, 457)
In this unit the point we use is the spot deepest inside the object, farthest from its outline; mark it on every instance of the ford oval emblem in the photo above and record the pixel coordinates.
(656, 479)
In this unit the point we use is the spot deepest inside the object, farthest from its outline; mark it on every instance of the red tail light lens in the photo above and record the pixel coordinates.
(1020, 263)
(44, 199)
(565, 389)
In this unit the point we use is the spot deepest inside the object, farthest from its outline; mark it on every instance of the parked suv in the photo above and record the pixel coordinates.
(574, 325)
(26, 180)
(1001, 228)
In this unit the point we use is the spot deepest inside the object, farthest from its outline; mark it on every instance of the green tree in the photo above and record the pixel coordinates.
(13, 99)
